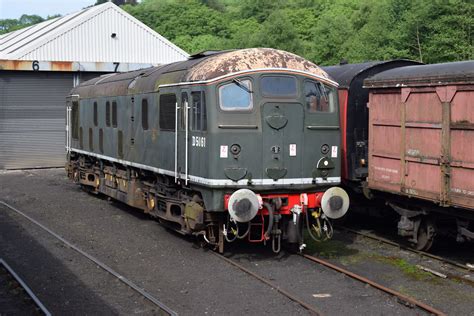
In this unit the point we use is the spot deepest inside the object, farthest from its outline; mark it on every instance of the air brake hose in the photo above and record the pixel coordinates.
(305, 209)
(269, 208)
(235, 237)
(328, 233)
(246, 232)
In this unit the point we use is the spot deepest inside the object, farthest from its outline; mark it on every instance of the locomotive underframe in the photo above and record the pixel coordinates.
(181, 208)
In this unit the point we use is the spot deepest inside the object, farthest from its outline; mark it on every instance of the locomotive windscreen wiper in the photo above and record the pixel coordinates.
(241, 85)
(323, 92)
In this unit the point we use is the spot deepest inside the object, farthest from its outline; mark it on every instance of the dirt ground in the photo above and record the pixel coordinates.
(186, 277)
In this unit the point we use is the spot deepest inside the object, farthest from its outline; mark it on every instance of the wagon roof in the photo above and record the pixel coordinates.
(346, 73)
(202, 67)
(435, 74)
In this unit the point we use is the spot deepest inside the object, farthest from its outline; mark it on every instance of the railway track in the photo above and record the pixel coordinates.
(163, 308)
(400, 246)
(404, 298)
(409, 301)
(311, 309)
(14, 290)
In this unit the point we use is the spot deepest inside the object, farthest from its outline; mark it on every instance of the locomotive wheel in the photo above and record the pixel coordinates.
(426, 234)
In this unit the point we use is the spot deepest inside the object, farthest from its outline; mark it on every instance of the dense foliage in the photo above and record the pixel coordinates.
(324, 31)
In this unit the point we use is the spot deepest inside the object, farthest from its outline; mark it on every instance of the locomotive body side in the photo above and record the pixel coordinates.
(180, 140)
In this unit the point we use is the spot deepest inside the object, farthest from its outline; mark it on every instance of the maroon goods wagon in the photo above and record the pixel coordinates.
(421, 147)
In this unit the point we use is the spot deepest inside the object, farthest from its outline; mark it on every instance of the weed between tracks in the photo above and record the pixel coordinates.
(407, 268)
(347, 256)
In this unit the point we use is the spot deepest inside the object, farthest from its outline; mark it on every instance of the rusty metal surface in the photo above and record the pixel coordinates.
(421, 142)
(247, 59)
(201, 67)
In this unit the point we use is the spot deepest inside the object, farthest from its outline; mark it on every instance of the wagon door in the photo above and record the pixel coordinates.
(282, 140)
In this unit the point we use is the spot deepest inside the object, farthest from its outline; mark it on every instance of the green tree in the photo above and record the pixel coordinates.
(332, 30)
(10, 25)
(374, 37)
(278, 32)
(438, 31)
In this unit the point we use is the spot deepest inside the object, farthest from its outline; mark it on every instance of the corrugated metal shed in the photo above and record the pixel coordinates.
(87, 36)
(40, 64)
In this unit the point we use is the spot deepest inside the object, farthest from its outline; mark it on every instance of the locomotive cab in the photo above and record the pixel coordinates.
(276, 128)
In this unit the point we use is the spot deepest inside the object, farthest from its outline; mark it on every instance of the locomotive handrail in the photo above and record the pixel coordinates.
(186, 124)
(224, 126)
(321, 127)
(176, 143)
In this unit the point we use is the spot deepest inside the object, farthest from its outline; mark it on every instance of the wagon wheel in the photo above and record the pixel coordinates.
(426, 234)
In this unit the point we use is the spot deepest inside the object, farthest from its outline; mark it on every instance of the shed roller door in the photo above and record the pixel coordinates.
(32, 119)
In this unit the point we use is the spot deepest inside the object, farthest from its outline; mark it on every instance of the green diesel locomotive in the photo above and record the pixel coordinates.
(228, 145)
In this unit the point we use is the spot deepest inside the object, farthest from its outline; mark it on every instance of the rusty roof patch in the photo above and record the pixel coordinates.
(201, 68)
(247, 59)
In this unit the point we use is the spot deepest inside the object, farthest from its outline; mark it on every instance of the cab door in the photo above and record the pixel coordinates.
(182, 137)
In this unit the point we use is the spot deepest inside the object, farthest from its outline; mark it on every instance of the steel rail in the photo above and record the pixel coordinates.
(419, 252)
(105, 267)
(378, 286)
(311, 309)
(25, 287)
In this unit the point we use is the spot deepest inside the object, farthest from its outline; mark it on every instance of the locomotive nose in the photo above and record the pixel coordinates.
(335, 202)
(243, 205)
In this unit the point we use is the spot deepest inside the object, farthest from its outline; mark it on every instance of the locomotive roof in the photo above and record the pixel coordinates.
(346, 73)
(436, 74)
(200, 68)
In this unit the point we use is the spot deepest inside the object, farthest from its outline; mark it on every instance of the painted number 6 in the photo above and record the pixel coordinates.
(35, 65)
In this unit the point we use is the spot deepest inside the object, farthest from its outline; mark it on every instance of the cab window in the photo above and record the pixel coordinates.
(278, 86)
(236, 95)
(319, 98)
(198, 111)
